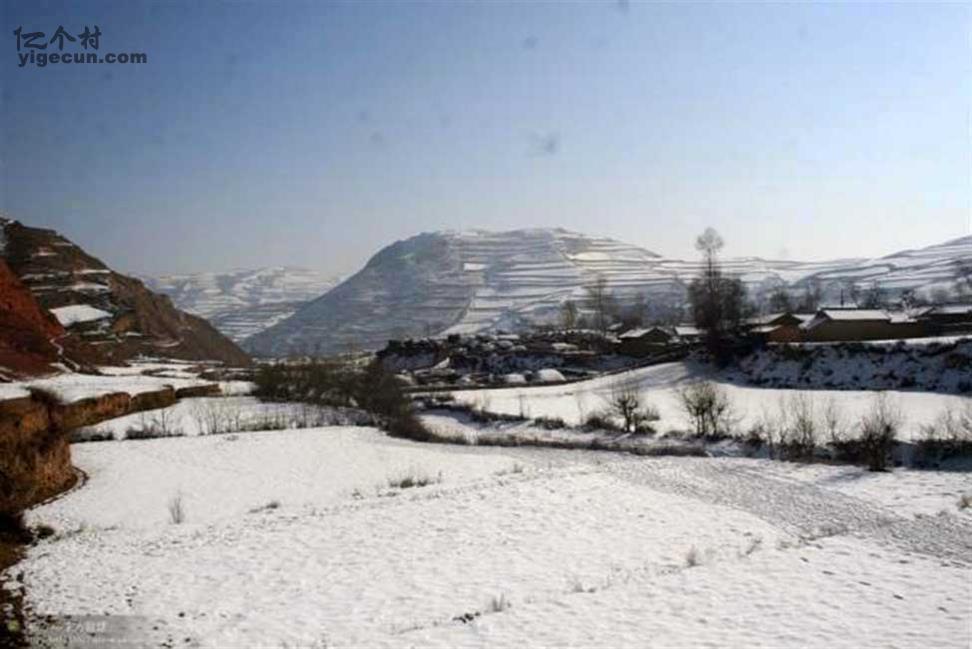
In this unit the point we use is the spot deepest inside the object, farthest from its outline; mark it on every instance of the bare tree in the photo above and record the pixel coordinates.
(812, 295)
(718, 303)
(779, 301)
(636, 313)
(600, 302)
(707, 408)
(568, 314)
(873, 298)
(626, 403)
(879, 429)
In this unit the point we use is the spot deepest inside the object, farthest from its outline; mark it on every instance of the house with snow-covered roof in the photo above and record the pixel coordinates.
(645, 340)
(837, 325)
(947, 318)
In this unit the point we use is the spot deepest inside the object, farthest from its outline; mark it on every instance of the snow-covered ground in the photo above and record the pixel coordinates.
(76, 313)
(658, 386)
(71, 387)
(513, 547)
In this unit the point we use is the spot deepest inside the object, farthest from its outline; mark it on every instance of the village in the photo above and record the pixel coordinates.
(545, 355)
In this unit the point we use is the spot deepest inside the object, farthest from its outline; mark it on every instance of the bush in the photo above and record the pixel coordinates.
(799, 431)
(708, 409)
(550, 423)
(149, 433)
(626, 403)
(158, 424)
(879, 430)
(82, 435)
(600, 421)
(177, 512)
(414, 479)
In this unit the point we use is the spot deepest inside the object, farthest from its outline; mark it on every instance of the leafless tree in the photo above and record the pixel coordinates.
(568, 314)
(626, 403)
(599, 302)
(879, 429)
(707, 407)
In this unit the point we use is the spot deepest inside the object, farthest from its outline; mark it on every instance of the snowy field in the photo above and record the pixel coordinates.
(510, 548)
(658, 387)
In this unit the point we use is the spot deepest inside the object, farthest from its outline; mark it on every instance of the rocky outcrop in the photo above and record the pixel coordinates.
(108, 315)
(26, 329)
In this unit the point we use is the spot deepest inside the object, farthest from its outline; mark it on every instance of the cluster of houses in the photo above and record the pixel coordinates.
(497, 358)
(826, 325)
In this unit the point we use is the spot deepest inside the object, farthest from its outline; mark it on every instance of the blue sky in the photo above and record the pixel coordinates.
(313, 134)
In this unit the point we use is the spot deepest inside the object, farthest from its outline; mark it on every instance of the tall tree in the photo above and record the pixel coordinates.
(780, 301)
(812, 296)
(568, 314)
(718, 303)
(600, 302)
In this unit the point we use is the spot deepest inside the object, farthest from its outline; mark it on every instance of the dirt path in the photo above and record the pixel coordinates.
(800, 507)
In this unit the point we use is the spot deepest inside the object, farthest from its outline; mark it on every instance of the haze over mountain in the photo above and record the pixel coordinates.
(464, 282)
(241, 303)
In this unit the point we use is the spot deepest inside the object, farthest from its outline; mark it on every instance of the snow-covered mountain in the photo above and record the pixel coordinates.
(241, 303)
(937, 269)
(452, 282)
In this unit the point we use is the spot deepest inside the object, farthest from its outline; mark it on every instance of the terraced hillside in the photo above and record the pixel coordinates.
(452, 282)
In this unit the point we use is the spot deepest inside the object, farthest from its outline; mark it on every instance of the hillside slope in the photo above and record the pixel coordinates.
(101, 309)
(26, 329)
(474, 281)
(241, 303)
(451, 282)
(935, 269)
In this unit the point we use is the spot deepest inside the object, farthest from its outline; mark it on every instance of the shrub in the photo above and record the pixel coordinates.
(879, 429)
(708, 409)
(833, 421)
(799, 435)
(625, 402)
(693, 557)
(414, 479)
(550, 423)
(177, 512)
(600, 421)
(273, 504)
(151, 433)
(82, 435)
(499, 603)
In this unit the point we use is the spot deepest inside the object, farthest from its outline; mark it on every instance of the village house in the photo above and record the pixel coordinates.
(840, 325)
(645, 341)
(779, 327)
(947, 319)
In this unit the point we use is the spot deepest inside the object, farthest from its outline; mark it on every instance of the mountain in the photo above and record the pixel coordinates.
(452, 282)
(241, 303)
(932, 273)
(108, 317)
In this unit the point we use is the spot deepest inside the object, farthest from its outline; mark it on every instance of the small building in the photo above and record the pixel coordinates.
(947, 318)
(845, 325)
(688, 333)
(645, 341)
(779, 327)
